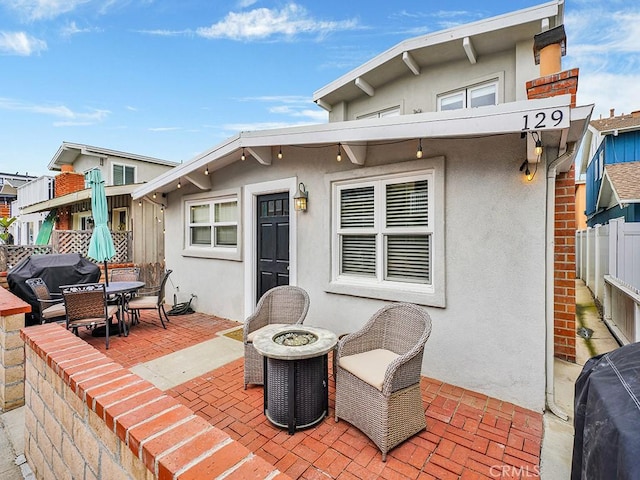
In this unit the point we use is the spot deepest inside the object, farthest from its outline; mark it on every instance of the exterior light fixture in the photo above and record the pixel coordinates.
(154, 195)
(280, 153)
(538, 148)
(527, 173)
(206, 170)
(339, 155)
(243, 157)
(300, 198)
(419, 152)
(179, 184)
(140, 202)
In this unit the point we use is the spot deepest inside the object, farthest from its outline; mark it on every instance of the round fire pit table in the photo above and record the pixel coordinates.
(296, 365)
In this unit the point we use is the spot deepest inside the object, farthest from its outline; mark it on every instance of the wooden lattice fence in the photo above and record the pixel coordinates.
(11, 255)
(77, 241)
(67, 241)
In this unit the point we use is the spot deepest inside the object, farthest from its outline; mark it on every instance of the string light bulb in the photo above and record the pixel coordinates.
(242, 157)
(419, 152)
(538, 149)
(280, 154)
(206, 170)
(140, 202)
(154, 195)
(339, 155)
(179, 184)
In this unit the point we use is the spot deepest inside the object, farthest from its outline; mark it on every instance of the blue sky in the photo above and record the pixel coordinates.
(172, 78)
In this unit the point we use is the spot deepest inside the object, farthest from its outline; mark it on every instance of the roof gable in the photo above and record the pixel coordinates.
(620, 185)
(621, 122)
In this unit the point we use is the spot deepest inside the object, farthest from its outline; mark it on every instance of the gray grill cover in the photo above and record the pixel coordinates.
(55, 270)
(607, 417)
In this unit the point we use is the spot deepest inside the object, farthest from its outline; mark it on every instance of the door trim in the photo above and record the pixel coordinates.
(250, 235)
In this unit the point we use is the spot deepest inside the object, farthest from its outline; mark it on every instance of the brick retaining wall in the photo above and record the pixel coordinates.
(12, 310)
(88, 417)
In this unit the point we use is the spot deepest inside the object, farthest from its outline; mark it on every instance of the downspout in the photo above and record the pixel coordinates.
(549, 284)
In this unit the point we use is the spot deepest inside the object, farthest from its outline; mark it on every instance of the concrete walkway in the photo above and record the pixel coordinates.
(557, 444)
(176, 368)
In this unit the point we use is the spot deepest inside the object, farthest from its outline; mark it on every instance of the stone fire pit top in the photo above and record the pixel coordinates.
(267, 346)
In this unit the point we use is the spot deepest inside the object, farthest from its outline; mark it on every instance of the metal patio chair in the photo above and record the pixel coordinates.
(51, 304)
(151, 298)
(378, 375)
(86, 306)
(284, 305)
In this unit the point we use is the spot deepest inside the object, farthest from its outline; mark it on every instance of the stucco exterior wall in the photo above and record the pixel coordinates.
(145, 171)
(490, 336)
(420, 92)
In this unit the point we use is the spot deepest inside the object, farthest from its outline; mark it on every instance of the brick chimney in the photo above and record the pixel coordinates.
(548, 48)
(68, 181)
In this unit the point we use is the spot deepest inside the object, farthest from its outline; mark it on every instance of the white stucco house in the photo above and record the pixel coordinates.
(428, 203)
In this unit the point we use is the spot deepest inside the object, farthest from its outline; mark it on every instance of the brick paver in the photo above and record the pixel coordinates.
(468, 435)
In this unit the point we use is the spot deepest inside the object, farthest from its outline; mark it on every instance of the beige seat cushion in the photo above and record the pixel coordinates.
(369, 366)
(143, 303)
(111, 311)
(253, 334)
(55, 310)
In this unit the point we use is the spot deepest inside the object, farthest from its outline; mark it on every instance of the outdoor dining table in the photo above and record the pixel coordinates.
(120, 289)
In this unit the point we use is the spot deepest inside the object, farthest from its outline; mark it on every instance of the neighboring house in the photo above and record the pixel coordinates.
(9, 185)
(122, 172)
(612, 169)
(413, 196)
(27, 226)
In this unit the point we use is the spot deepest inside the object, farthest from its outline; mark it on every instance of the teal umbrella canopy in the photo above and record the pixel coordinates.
(101, 244)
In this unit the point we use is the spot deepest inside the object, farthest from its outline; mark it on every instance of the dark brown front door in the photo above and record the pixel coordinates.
(273, 241)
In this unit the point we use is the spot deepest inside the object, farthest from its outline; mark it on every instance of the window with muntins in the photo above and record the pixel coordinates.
(470, 97)
(384, 231)
(124, 174)
(213, 224)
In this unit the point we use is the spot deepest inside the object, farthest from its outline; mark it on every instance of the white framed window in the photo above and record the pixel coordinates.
(388, 233)
(478, 95)
(387, 112)
(211, 226)
(123, 174)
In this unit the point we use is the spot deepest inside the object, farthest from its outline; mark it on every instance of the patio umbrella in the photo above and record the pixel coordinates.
(101, 244)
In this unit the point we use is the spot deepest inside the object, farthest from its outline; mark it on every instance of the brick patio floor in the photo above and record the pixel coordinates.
(468, 435)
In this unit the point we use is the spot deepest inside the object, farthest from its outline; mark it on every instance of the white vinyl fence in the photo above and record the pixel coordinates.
(608, 261)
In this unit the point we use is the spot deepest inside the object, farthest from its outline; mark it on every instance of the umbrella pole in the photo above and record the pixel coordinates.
(106, 273)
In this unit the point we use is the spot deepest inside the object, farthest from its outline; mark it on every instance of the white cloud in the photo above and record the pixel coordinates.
(42, 9)
(164, 129)
(603, 44)
(20, 43)
(61, 111)
(250, 127)
(246, 3)
(263, 23)
(72, 28)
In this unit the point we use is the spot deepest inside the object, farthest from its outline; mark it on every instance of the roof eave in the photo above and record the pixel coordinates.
(504, 118)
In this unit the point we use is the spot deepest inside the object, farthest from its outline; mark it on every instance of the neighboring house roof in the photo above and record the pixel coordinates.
(469, 41)
(69, 152)
(627, 122)
(75, 197)
(354, 136)
(620, 185)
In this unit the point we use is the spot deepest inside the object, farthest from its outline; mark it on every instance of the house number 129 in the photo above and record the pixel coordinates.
(545, 119)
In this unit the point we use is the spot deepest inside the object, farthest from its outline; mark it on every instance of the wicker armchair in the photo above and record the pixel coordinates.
(51, 304)
(378, 375)
(86, 306)
(284, 305)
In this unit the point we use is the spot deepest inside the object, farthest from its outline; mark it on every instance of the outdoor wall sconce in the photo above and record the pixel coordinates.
(419, 152)
(300, 198)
